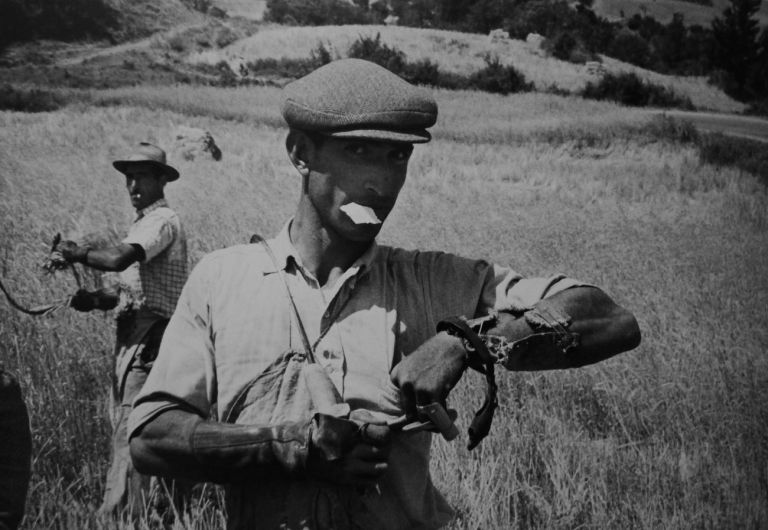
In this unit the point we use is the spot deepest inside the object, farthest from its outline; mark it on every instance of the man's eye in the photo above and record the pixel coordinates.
(401, 155)
(356, 149)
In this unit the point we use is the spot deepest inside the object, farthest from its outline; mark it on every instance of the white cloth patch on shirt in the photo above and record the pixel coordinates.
(360, 214)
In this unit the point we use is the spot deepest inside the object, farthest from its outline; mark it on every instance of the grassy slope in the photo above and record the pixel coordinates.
(252, 9)
(669, 436)
(454, 52)
(662, 10)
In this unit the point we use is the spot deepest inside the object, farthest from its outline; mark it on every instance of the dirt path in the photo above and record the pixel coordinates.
(750, 127)
(141, 44)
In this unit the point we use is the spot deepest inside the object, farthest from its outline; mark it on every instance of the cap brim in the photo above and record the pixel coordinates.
(412, 137)
(170, 172)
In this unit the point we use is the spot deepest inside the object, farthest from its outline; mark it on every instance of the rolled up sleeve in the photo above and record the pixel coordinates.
(183, 375)
(153, 233)
(507, 290)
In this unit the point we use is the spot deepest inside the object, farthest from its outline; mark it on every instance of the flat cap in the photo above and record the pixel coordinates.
(354, 98)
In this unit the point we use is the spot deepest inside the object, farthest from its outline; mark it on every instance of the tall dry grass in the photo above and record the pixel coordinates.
(671, 435)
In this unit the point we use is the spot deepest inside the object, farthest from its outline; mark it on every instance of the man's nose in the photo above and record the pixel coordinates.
(385, 182)
(130, 184)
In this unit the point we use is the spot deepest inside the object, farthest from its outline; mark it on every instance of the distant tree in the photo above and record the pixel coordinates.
(630, 47)
(453, 12)
(672, 45)
(315, 12)
(736, 45)
(485, 15)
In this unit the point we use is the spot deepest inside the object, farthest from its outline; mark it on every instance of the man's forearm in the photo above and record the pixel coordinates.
(598, 329)
(180, 444)
(111, 259)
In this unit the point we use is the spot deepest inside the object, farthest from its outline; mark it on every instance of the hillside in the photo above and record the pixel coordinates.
(251, 9)
(461, 53)
(662, 10)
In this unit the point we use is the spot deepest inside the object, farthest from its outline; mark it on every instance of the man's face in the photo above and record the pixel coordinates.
(366, 172)
(144, 184)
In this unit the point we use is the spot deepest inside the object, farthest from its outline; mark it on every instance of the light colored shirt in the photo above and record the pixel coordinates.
(234, 319)
(156, 283)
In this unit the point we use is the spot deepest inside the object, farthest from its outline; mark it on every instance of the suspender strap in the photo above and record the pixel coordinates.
(255, 238)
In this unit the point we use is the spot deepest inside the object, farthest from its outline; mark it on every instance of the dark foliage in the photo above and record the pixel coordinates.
(372, 49)
(33, 100)
(65, 20)
(315, 12)
(498, 78)
(758, 107)
(748, 155)
(629, 89)
(737, 48)
(630, 47)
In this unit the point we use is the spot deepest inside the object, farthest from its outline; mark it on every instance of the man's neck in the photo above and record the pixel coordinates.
(323, 251)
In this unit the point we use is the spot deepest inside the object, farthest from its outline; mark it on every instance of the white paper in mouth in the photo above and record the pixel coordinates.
(360, 214)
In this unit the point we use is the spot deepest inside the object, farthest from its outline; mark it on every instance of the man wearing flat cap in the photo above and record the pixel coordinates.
(152, 261)
(323, 302)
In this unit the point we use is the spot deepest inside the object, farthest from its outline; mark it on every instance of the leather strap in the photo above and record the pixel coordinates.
(480, 359)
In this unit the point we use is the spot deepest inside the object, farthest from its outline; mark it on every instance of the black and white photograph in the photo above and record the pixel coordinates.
(383, 264)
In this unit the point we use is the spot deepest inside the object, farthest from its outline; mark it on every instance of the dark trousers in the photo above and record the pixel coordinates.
(15, 452)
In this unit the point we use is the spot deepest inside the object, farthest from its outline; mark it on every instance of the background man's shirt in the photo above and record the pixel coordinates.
(156, 283)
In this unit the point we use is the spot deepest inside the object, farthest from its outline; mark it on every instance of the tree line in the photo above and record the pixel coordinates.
(732, 51)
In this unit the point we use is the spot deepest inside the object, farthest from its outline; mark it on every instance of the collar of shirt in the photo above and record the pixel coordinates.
(287, 255)
(151, 208)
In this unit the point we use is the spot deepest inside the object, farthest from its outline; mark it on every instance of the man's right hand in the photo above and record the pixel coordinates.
(84, 301)
(89, 300)
(72, 252)
(348, 452)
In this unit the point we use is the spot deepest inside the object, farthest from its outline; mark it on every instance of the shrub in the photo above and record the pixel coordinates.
(758, 107)
(629, 89)
(423, 72)
(498, 78)
(561, 46)
(672, 130)
(748, 155)
(224, 36)
(33, 100)
(372, 49)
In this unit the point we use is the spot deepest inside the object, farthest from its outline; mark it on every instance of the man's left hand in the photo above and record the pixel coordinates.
(429, 373)
(72, 252)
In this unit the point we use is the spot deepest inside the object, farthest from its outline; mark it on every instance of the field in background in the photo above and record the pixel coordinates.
(456, 52)
(672, 435)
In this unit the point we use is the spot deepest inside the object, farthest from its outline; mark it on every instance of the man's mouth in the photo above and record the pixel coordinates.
(361, 214)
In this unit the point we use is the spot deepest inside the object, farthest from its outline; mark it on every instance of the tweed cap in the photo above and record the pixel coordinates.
(354, 98)
(146, 153)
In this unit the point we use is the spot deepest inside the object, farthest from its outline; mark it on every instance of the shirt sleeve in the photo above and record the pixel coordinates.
(509, 291)
(183, 375)
(153, 233)
(472, 288)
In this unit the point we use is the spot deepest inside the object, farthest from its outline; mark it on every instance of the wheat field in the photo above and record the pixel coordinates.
(671, 435)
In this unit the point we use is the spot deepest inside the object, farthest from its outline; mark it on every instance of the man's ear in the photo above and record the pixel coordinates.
(300, 150)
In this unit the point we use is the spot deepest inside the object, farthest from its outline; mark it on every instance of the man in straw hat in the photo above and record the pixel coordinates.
(152, 261)
(392, 329)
